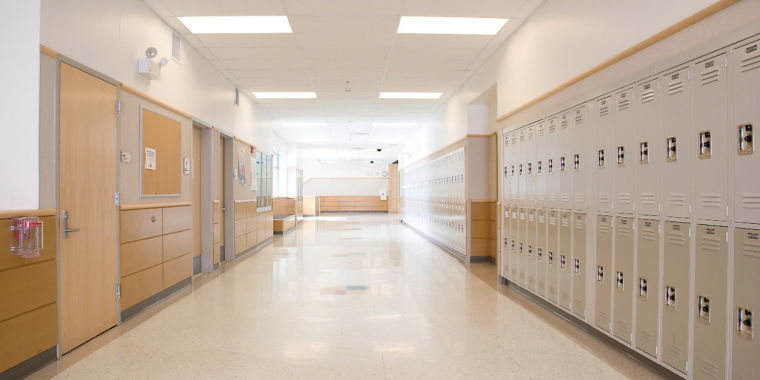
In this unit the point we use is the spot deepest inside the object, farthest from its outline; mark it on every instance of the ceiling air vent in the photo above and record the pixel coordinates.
(176, 46)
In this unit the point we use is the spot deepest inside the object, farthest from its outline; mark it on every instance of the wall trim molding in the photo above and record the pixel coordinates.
(434, 153)
(155, 101)
(346, 178)
(244, 142)
(142, 206)
(48, 51)
(673, 29)
(7, 214)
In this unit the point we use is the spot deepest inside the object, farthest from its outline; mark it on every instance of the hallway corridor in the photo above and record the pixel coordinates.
(346, 296)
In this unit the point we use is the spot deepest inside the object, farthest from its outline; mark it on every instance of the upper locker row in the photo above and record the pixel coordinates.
(663, 146)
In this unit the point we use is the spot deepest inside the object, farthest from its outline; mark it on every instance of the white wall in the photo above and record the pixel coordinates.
(560, 41)
(346, 178)
(345, 186)
(19, 104)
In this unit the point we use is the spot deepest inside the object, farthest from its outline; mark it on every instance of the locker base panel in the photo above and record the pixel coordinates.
(439, 245)
(216, 267)
(284, 232)
(154, 299)
(196, 264)
(353, 211)
(609, 340)
(255, 248)
(31, 365)
(482, 259)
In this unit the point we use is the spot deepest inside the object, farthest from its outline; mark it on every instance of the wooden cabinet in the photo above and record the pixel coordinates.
(353, 203)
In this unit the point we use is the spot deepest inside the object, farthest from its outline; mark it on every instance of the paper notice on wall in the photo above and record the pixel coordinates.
(150, 159)
(254, 177)
(241, 166)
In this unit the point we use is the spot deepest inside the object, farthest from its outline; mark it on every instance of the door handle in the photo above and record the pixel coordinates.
(66, 229)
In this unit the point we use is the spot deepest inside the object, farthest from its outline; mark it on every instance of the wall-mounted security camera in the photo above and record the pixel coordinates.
(379, 150)
(149, 68)
(372, 162)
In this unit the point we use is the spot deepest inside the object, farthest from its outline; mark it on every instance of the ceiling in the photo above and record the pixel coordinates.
(347, 51)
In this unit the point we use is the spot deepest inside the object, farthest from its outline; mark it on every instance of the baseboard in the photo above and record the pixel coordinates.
(30, 365)
(196, 264)
(154, 299)
(439, 245)
(255, 248)
(572, 319)
(482, 259)
(284, 232)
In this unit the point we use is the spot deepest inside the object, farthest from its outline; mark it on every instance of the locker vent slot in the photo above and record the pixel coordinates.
(579, 224)
(578, 118)
(531, 217)
(541, 130)
(563, 124)
(678, 199)
(541, 219)
(530, 134)
(565, 222)
(624, 198)
(579, 197)
(552, 127)
(578, 306)
(604, 111)
(710, 244)
(565, 197)
(624, 230)
(673, 350)
(646, 338)
(675, 87)
(676, 238)
(750, 63)
(648, 234)
(604, 228)
(622, 326)
(744, 323)
(522, 137)
(708, 369)
(751, 201)
(710, 77)
(624, 104)
(604, 198)
(603, 318)
(751, 249)
(552, 221)
(647, 96)
(648, 198)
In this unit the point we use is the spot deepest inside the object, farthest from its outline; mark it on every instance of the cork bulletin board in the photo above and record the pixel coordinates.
(160, 155)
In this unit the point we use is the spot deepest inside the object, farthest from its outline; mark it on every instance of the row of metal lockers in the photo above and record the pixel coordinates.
(671, 145)
(646, 200)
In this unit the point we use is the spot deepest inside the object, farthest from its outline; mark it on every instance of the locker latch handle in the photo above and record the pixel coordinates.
(643, 291)
(703, 311)
(620, 281)
(562, 261)
(562, 164)
(670, 297)
(600, 274)
(744, 323)
(644, 153)
(577, 162)
(551, 166)
(672, 152)
(540, 254)
(577, 266)
(538, 167)
(551, 257)
(621, 156)
(601, 158)
(746, 140)
(530, 250)
(705, 145)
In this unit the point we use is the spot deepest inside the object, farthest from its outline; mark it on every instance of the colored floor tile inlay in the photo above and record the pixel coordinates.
(345, 290)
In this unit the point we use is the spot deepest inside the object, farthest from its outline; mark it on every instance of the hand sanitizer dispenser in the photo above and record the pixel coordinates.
(383, 194)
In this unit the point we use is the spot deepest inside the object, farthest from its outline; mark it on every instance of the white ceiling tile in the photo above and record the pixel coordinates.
(341, 88)
(352, 81)
(257, 64)
(217, 64)
(427, 74)
(497, 41)
(475, 65)
(434, 54)
(441, 41)
(485, 54)
(527, 9)
(270, 73)
(297, 80)
(206, 53)
(345, 40)
(191, 39)
(346, 73)
(277, 88)
(248, 40)
(346, 53)
(344, 24)
(225, 8)
(344, 7)
(427, 64)
(340, 63)
(459, 8)
(256, 53)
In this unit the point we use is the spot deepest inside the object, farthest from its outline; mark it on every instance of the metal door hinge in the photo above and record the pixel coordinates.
(118, 291)
(118, 107)
(116, 200)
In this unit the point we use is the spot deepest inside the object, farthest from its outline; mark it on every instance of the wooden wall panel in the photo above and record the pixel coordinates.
(177, 244)
(141, 285)
(178, 219)
(217, 253)
(217, 208)
(251, 209)
(27, 288)
(251, 224)
(48, 252)
(262, 235)
(240, 244)
(27, 335)
(165, 136)
(177, 270)
(139, 255)
(482, 229)
(483, 247)
(240, 227)
(251, 239)
(140, 224)
(217, 233)
(483, 211)
(240, 211)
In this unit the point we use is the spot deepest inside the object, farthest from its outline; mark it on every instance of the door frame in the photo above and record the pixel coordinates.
(57, 180)
(207, 192)
(228, 207)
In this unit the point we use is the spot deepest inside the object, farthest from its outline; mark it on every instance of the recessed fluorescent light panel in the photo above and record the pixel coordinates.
(314, 140)
(237, 24)
(285, 95)
(451, 25)
(306, 124)
(410, 95)
(383, 124)
(329, 162)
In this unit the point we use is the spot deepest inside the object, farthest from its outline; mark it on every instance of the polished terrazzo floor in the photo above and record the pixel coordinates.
(346, 296)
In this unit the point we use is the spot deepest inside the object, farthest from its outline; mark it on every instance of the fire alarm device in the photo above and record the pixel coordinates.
(27, 237)
(187, 166)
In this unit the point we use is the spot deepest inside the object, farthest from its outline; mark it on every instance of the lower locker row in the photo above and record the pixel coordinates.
(643, 292)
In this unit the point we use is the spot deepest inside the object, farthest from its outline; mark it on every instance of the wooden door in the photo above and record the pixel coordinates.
(221, 190)
(87, 172)
(196, 200)
(393, 188)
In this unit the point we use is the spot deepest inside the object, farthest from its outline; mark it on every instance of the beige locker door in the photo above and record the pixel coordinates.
(551, 165)
(649, 152)
(604, 273)
(711, 131)
(578, 160)
(623, 287)
(522, 246)
(506, 159)
(514, 175)
(530, 253)
(623, 156)
(605, 157)
(565, 255)
(541, 253)
(675, 288)
(746, 89)
(218, 253)
(552, 258)
(87, 172)
(675, 121)
(530, 168)
(196, 168)
(579, 265)
(514, 242)
(565, 165)
(522, 156)
(540, 168)
(647, 287)
(506, 253)
(746, 347)
(710, 290)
